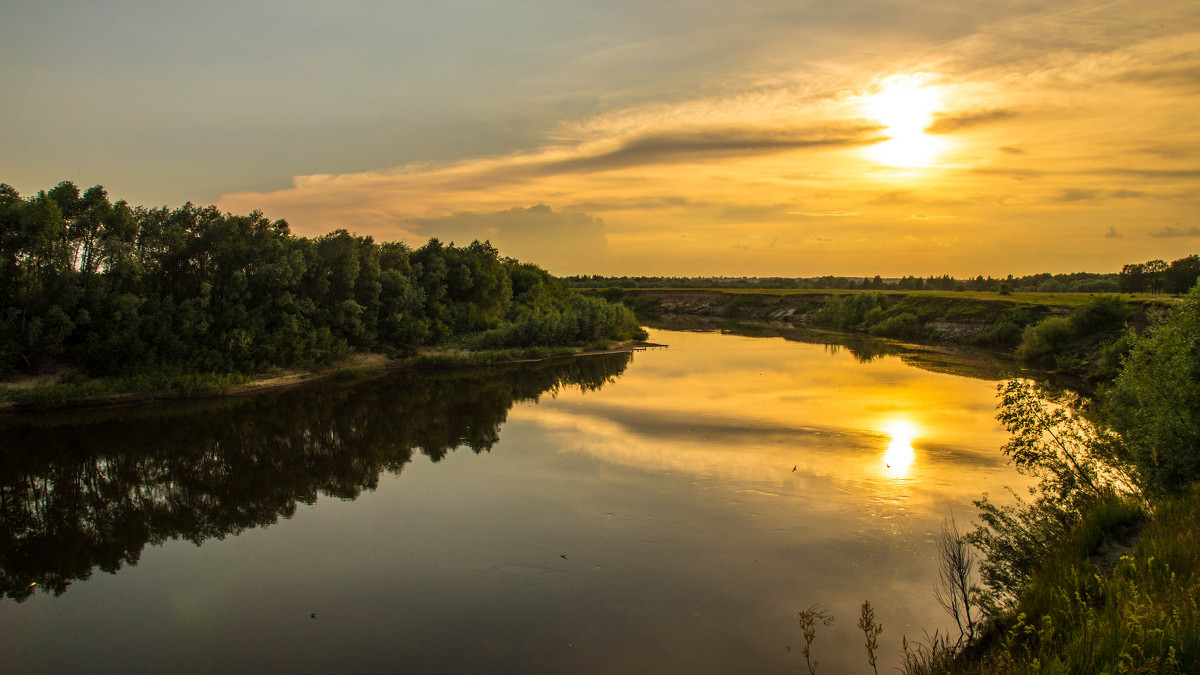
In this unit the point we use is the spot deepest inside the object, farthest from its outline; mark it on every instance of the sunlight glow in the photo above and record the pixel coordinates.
(908, 151)
(906, 107)
(899, 456)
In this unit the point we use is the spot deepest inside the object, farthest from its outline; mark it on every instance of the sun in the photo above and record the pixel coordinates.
(905, 107)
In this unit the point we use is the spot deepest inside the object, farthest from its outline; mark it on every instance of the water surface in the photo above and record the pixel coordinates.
(666, 511)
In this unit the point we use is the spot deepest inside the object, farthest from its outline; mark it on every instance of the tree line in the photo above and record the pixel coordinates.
(1158, 276)
(112, 288)
(1155, 276)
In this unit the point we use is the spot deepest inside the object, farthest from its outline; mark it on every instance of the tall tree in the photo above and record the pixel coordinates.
(1183, 274)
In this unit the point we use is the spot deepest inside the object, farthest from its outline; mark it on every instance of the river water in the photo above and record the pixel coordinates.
(669, 510)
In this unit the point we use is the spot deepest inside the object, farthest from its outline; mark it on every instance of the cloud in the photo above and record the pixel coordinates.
(1170, 151)
(1185, 77)
(1091, 195)
(1009, 150)
(641, 204)
(908, 197)
(1177, 232)
(1158, 174)
(826, 214)
(944, 123)
(1079, 195)
(534, 234)
(670, 146)
(893, 197)
(1127, 194)
(1113, 234)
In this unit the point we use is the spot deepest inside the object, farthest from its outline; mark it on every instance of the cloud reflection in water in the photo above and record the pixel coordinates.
(739, 413)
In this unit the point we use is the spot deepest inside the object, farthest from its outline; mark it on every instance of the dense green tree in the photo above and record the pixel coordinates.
(1183, 274)
(1132, 278)
(1155, 400)
(1156, 274)
(112, 289)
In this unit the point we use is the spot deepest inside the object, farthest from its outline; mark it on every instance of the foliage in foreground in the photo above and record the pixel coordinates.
(1085, 612)
(1154, 402)
(1062, 593)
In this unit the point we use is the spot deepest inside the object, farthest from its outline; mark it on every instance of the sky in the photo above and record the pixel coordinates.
(756, 138)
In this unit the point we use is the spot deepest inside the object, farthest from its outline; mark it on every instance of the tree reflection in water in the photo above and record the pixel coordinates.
(91, 489)
(937, 358)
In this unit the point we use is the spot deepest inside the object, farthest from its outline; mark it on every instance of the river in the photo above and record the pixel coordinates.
(670, 510)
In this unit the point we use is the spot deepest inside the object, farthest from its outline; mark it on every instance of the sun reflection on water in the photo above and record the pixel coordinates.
(899, 456)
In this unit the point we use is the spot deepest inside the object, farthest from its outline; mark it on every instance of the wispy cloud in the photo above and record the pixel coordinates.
(690, 145)
(1168, 232)
(1128, 194)
(1186, 77)
(946, 123)
(1091, 195)
(1079, 195)
(827, 214)
(1152, 174)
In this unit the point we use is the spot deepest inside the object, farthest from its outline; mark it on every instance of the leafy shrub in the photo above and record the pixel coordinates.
(1155, 400)
(848, 312)
(903, 325)
(1004, 333)
(1100, 314)
(1043, 342)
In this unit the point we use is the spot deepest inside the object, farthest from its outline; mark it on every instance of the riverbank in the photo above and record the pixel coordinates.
(1075, 335)
(1098, 572)
(968, 317)
(67, 389)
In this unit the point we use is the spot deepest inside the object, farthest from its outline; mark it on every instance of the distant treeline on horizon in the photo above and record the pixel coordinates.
(1155, 276)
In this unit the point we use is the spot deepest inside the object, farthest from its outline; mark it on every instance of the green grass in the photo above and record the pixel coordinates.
(357, 372)
(157, 384)
(455, 359)
(76, 389)
(1136, 613)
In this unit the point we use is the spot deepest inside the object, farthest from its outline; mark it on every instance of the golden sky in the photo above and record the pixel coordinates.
(688, 138)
